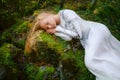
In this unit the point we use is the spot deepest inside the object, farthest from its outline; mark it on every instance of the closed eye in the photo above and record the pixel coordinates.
(47, 23)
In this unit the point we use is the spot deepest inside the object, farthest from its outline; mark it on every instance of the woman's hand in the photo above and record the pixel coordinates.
(51, 31)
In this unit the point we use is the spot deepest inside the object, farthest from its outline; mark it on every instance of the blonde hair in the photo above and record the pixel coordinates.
(31, 41)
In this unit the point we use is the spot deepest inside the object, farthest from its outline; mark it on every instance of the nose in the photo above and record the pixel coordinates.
(49, 27)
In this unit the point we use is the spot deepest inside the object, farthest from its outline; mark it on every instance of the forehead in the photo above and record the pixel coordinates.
(43, 22)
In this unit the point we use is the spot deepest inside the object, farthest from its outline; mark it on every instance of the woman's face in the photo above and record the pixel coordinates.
(48, 23)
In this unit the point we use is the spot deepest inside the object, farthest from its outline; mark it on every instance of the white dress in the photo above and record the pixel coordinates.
(102, 49)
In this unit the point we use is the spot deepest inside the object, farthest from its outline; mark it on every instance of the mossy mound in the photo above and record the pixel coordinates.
(52, 59)
(16, 35)
(67, 58)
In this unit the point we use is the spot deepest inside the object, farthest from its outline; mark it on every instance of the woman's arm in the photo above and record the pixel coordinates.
(63, 36)
(74, 20)
(70, 33)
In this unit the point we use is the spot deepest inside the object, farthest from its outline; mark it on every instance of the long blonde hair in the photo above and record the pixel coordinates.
(31, 41)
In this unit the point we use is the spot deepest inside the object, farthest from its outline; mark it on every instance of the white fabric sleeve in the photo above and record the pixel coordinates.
(63, 36)
(78, 28)
(69, 14)
(66, 32)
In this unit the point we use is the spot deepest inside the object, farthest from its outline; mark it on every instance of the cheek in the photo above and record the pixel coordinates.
(44, 27)
(54, 23)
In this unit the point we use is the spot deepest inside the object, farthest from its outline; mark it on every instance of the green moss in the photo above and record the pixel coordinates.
(79, 57)
(20, 26)
(5, 55)
(28, 9)
(6, 60)
(72, 62)
(16, 34)
(45, 70)
(54, 43)
(39, 72)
